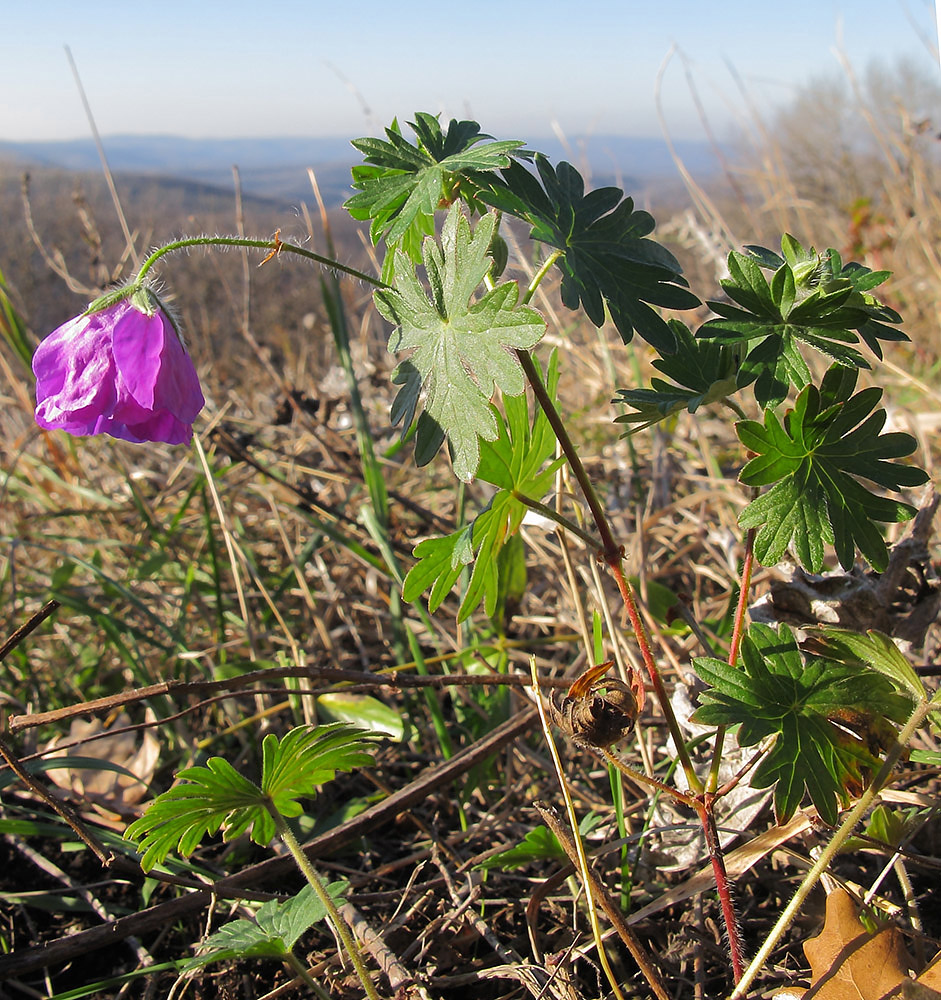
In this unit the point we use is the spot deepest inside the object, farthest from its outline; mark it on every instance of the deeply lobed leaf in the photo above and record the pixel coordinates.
(402, 184)
(812, 299)
(824, 716)
(216, 797)
(463, 350)
(815, 459)
(702, 371)
(607, 259)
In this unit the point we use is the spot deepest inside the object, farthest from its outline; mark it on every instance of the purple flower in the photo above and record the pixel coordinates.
(121, 370)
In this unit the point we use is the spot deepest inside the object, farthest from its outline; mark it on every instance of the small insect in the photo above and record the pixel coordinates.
(598, 712)
(275, 248)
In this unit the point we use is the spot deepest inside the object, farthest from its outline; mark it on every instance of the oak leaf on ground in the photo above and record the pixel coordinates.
(849, 963)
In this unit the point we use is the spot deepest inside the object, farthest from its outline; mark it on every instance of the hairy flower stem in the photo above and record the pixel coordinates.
(707, 813)
(337, 922)
(707, 816)
(273, 246)
(723, 888)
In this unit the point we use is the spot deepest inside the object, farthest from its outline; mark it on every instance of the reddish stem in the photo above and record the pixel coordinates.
(738, 629)
(723, 888)
(653, 672)
(738, 625)
(613, 556)
(707, 816)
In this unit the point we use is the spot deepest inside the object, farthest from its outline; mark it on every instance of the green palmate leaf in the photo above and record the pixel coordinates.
(462, 350)
(812, 299)
(402, 184)
(824, 716)
(875, 649)
(440, 562)
(815, 458)
(702, 371)
(180, 818)
(521, 461)
(277, 926)
(216, 797)
(307, 757)
(607, 258)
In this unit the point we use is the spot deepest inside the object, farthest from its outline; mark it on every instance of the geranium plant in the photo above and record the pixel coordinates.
(826, 476)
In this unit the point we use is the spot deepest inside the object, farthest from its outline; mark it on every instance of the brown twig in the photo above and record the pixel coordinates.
(58, 805)
(634, 945)
(392, 681)
(24, 630)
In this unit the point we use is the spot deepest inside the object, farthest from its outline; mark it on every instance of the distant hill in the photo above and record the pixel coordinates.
(277, 167)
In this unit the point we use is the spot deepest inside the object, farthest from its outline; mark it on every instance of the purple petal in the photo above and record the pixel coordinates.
(118, 371)
(75, 376)
(154, 367)
(132, 422)
(137, 342)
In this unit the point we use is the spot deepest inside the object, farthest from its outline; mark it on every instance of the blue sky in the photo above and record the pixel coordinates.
(227, 69)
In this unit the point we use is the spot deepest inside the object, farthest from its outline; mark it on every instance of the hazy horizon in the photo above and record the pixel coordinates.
(277, 167)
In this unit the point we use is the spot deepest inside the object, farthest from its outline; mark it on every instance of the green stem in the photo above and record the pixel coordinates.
(554, 515)
(828, 853)
(273, 246)
(734, 407)
(539, 275)
(338, 923)
(300, 970)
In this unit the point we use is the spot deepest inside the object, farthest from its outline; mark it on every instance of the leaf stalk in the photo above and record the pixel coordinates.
(337, 922)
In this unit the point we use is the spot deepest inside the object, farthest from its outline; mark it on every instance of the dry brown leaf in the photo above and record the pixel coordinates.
(849, 963)
(137, 751)
(931, 977)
